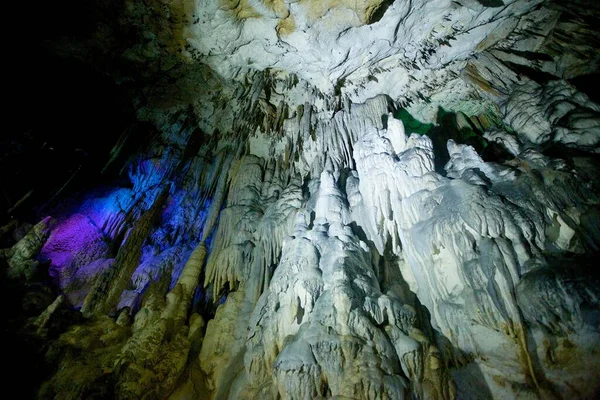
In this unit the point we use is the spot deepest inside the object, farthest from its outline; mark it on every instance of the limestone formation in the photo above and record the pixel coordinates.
(332, 199)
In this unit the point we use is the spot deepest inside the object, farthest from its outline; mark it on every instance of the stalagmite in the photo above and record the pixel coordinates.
(104, 295)
(320, 199)
(178, 300)
(44, 317)
(21, 257)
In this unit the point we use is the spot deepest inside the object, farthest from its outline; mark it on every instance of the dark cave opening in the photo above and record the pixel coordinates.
(379, 12)
(67, 117)
(588, 84)
(66, 114)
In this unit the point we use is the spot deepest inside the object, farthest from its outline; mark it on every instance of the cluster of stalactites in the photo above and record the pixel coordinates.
(261, 201)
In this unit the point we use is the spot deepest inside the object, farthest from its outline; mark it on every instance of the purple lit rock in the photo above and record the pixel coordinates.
(74, 245)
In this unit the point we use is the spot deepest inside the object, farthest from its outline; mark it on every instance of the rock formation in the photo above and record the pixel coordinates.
(328, 199)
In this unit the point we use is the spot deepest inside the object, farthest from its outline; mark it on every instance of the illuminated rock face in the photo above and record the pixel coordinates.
(362, 48)
(346, 199)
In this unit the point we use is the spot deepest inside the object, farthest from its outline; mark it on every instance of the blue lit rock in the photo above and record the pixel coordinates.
(362, 200)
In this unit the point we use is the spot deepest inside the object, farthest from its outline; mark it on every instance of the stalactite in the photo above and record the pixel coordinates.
(161, 339)
(179, 299)
(104, 295)
(400, 215)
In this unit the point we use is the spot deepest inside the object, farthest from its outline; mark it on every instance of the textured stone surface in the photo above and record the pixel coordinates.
(339, 199)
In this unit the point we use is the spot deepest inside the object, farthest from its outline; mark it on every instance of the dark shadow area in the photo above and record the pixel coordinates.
(494, 152)
(559, 150)
(491, 3)
(588, 84)
(470, 382)
(384, 121)
(379, 12)
(573, 282)
(70, 117)
(26, 351)
(65, 114)
(446, 127)
(535, 75)
(64, 117)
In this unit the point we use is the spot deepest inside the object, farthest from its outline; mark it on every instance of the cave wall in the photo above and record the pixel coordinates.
(354, 200)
